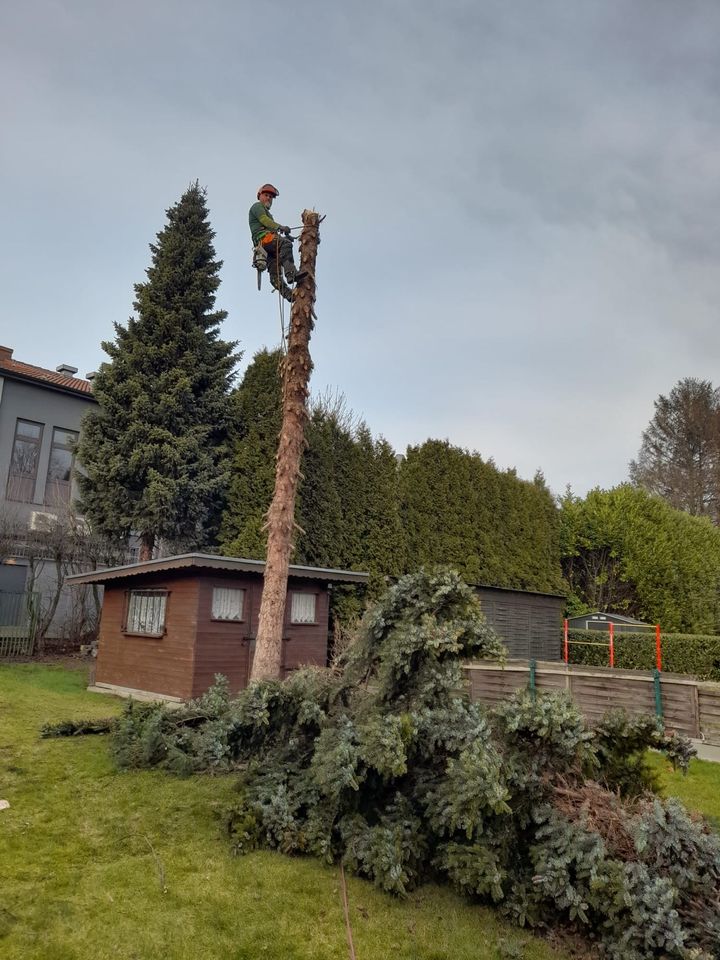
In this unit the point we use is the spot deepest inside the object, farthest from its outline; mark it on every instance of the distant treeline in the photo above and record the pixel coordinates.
(362, 507)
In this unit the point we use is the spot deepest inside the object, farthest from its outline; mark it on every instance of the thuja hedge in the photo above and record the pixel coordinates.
(381, 765)
(690, 653)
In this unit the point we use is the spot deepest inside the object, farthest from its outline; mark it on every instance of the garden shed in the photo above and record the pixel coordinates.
(169, 625)
(529, 623)
(601, 620)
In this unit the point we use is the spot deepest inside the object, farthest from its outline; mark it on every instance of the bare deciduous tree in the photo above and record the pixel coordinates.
(53, 547)
(680, 454)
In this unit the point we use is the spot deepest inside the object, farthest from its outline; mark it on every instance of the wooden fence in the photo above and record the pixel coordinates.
(18, 619)
(685, 704)
(15, 642)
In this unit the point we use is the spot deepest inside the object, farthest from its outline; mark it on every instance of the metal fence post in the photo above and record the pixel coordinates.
(658, 695)
(533, 687)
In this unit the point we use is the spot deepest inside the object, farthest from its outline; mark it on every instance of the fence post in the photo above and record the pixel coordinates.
(658, 647)
(533, 687)
(658, 695)
(566, 651)
(612, 644)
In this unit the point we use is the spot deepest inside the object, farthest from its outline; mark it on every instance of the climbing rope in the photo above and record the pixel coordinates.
(281, 300)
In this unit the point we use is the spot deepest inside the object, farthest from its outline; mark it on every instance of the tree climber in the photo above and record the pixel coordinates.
(271, 248)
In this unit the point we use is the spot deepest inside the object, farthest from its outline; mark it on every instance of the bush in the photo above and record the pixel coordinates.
(693, 654)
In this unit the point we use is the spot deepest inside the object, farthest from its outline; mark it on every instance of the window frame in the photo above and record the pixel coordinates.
(60, 484)
(303, 593)
(37, 442)
(221, 586)
(152, 591)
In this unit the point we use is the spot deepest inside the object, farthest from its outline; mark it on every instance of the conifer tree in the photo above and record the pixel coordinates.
(155, 451)
(257, 406)
(488, 524)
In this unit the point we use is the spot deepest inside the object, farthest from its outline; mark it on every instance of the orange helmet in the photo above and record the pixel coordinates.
(268, 188)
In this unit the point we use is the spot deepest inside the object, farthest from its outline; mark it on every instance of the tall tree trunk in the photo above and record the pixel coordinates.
(147, 545)
(267, 662)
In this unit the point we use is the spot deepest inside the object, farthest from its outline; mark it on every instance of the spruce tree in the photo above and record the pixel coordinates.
(154, 453)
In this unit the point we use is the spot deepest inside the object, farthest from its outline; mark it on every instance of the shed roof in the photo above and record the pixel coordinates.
(534, 593)
(606, 614)
(206, 561)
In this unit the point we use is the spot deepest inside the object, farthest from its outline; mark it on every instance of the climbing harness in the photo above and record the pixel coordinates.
(260, 264)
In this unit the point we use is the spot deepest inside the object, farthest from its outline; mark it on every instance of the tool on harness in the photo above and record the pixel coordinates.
(259, 262)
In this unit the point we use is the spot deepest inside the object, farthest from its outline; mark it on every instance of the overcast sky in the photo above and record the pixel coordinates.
(521, 197)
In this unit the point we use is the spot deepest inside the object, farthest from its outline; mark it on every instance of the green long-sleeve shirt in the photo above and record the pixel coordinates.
(261, 222)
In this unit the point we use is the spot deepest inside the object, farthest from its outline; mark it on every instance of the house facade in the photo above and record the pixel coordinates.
(168, 626)
(40, 415)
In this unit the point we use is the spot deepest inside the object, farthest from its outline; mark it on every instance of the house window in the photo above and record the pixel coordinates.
(146, 612)
(58, 483)
(227, 603)
(302, 608)
(24, 461)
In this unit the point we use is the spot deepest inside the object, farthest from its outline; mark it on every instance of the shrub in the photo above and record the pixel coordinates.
(689, 653)
(381, 765)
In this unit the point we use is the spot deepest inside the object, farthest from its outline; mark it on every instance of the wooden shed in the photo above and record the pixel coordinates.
(601, 620)
(169, 626)
(530, 623)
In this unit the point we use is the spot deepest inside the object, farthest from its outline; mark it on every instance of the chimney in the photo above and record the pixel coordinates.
(66, 370)
(6, 353)
(91, 376)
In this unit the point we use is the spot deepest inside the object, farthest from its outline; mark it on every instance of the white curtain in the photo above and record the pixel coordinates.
(146, 612)
(227, 603)
(303, 608)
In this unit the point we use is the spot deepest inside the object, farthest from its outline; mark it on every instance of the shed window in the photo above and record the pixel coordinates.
(302, 608)
(146, 612)
(227, 603)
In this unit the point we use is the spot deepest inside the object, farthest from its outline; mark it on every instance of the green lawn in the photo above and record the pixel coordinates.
(699, 790)
(97, 864)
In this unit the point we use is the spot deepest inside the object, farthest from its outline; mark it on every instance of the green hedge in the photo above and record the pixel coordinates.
(690, 653)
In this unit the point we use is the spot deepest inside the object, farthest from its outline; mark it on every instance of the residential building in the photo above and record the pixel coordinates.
(40, 415)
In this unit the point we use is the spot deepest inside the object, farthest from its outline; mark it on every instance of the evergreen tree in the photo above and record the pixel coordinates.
(321, 542)
(490, 525)
(257, 407)
(383, 537)
(627, 551)
(155, 451)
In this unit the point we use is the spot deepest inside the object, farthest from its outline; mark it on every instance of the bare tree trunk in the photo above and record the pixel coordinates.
(147, 545)
(267, 662)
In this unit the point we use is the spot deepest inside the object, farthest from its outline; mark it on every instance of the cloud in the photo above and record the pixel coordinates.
(520, 244)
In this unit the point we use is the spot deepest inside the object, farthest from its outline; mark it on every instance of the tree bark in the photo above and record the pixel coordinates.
(147, 546)
(267, 663)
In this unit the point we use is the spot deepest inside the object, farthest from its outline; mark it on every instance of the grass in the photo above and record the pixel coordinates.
(96, 864)
(699, 790)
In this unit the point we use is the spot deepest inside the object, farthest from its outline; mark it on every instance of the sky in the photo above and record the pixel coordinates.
(520, 244)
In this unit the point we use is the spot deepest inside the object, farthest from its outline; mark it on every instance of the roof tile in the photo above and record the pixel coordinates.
(41, 375)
